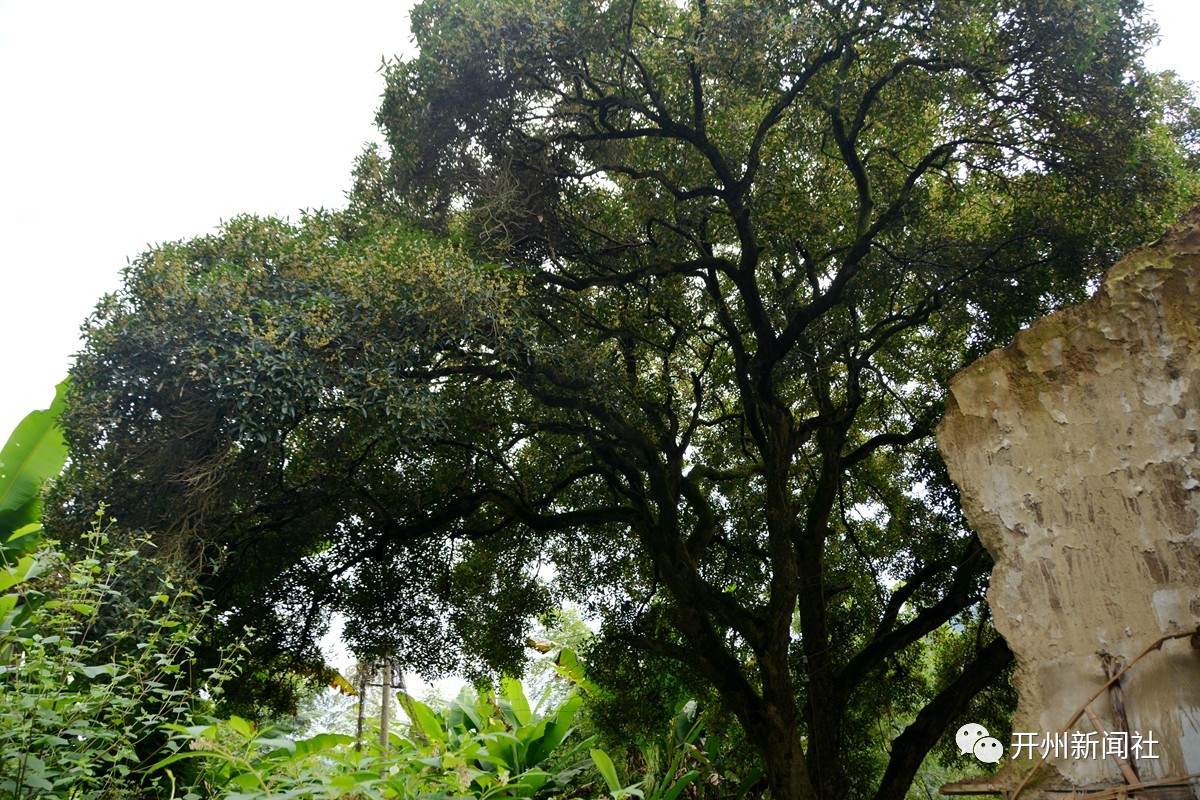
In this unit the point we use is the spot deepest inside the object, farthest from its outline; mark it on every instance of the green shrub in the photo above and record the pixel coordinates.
(84, 695)
(487, 745)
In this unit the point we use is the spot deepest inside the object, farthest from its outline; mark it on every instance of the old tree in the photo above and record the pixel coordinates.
(647, 306)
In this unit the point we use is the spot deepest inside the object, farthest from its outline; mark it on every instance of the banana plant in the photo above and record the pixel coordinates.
(501, 742)
(674, 780)
(694, 761)
(34, 453)
(487, 746)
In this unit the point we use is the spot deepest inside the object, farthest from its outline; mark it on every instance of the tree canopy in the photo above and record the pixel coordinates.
(647, 306)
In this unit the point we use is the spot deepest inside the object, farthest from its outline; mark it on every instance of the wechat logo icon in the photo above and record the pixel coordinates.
(973, 739)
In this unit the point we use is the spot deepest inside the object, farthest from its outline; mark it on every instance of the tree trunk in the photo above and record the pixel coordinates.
(362, 700)
(385, 706)
(783, 758)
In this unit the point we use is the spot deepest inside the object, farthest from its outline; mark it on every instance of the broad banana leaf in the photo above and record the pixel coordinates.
(34, 453)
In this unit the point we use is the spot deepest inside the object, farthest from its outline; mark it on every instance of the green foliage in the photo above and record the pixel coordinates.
(675, 776)
(237, 758)
(947, 650)
(302, 382)
(497, 733)
(82, 701)
(687, 762)
(34, 453)
(554, 668)
(671, 347)
(701, 755)
(489, 745)
(608, 771)
(763, 236)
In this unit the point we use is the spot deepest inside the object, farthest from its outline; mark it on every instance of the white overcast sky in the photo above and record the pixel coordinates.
(129, 123)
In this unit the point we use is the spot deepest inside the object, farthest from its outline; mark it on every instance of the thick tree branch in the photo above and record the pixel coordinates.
(914, 743)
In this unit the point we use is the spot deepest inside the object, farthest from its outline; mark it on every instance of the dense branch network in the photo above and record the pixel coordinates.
(690, 282)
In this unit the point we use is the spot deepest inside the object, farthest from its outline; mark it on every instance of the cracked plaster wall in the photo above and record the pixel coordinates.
(1075, 449)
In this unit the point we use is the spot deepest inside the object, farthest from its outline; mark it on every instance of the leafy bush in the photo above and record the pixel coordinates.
(82, 699)
(487, 745)
(83, 696)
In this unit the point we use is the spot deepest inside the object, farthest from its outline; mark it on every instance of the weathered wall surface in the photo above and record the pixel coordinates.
(1076, 451)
